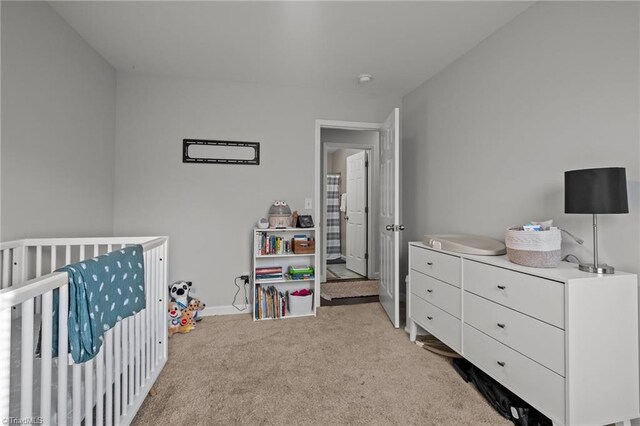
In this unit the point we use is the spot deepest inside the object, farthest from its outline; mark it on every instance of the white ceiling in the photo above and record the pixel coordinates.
(317, 44)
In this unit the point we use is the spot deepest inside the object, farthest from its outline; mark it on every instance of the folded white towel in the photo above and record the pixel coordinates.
(343, 203)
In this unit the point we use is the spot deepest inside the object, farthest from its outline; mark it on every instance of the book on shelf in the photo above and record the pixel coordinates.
(272, 245)
(270, 277)
(301, 277)
(270, 303)
(269, 270)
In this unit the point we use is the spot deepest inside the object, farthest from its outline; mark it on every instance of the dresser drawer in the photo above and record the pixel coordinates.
(534, 296)
(535, 339)
(534, 383)
(441, 294)
(436, 321)
(437, 265)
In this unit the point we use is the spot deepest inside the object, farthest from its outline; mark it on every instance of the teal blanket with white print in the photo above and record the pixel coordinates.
(102, 291)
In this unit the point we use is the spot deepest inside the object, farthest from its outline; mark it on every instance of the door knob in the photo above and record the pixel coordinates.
(400, 227)
(389, 227)
(346, 218)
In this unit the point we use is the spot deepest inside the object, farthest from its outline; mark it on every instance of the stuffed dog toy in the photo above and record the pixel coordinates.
(179, 321)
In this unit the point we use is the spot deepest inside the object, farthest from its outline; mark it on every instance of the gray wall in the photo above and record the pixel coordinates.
(58, 128)
(337, 163)
(487, 140)
(209, 210)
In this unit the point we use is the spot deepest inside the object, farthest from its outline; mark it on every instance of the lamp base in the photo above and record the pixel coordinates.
(603, 268)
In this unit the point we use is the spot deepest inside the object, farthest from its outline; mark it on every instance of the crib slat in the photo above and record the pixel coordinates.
(6, 254)
(38, 261)
(150, 309)
(96, 250)
(109, 377)
(19, 270)
(82, 253)
(38, 274)
(125, 373)
(152, 274)
(144, 354)
(109, 248)
(146, 343)
(53, 258)
(162, 285)
(77, 394)
(63, 313)
(100, 386)
(45, 353)
(5, 361)
(67, 254)
(88, 393)
(26, 363)
(117, 374)
(132, 353)
(138, 330)
(158, 306)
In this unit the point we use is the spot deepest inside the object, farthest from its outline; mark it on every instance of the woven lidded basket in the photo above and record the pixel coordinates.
(540, 249)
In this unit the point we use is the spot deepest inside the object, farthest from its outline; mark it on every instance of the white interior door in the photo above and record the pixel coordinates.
(356, 214)
(389, 217)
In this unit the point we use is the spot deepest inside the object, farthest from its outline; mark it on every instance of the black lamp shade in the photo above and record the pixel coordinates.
(596, 191)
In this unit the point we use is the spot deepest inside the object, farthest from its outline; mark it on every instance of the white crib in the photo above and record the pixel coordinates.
(108, 389)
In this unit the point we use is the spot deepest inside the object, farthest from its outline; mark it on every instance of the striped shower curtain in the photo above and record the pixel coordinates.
(333, 216)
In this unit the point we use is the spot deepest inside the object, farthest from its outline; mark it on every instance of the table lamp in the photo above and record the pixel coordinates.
(596, 191)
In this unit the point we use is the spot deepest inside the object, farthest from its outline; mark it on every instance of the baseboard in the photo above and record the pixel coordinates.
(343, 257)
(223, 310)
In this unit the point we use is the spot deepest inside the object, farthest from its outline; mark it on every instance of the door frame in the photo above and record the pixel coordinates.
(320, 172)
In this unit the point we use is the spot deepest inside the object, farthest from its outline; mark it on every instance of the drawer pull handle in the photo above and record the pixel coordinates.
(430, 263)
(500, 325)
(501, 363)
(501, 287)
(429, 290)
(429, 318)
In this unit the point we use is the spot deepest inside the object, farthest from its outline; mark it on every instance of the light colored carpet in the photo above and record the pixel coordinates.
(347, 366)
(341, 290)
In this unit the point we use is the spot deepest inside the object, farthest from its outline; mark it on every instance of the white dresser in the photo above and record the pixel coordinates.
(565, 341)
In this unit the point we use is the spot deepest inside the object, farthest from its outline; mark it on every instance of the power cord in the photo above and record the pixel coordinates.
(566, 258)
(576, 239)
(245, 278)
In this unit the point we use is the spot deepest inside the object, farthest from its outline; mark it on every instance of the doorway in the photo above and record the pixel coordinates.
(346, 195)
(348, 215)
(383, 201)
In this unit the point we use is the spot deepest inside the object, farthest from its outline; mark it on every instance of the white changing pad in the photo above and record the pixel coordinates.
(467, 244)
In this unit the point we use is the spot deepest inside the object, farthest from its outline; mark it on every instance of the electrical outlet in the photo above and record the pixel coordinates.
(307, 204)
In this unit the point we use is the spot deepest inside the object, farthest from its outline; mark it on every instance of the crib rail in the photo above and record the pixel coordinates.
(105, 390)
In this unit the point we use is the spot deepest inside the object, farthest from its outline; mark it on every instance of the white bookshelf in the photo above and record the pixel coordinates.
(284, 259)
